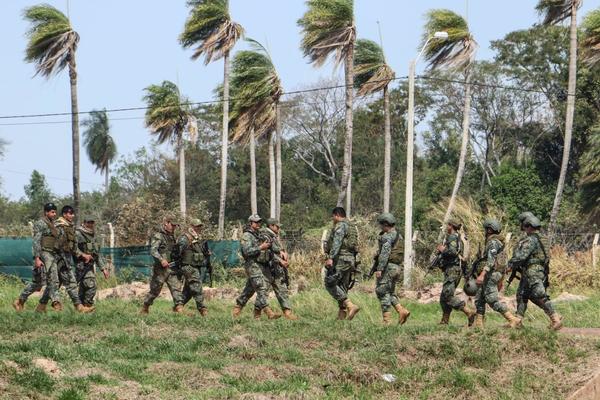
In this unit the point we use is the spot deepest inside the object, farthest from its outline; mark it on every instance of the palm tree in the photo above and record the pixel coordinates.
(99, 144)
(328, 28)
(372, 74)
(51, 46)
(554, 12)
(456, 53)
(168, 116)
(256, 89)
(590, 43)
(211, 31)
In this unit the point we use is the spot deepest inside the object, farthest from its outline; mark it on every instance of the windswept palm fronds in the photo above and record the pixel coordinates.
(556, 11)
(168, 112)
(371, 72)
(590, 41)
(98, 142)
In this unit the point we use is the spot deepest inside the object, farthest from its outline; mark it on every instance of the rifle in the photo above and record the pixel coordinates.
(516, 268)
(209, 266)
(374, 266)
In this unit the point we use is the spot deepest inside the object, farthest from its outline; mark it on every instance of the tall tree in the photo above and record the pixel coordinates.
(99, 144)
(169, 116)
(211, 31)
(328, 28)
(38, 193)
(590, 40)
(554, 12)
(372, 74)
(455, 53)
(52, 45)
(256, 90)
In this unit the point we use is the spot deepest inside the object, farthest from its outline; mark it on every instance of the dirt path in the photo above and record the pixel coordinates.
(581, 331)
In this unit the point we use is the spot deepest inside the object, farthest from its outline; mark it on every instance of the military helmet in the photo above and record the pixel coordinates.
(49, 207)
(89, 219)
(196, 222)
(470, 287)
(386, 218)
(534, 222)
(524, 215)
(273, 221)
(492, 224)
(455, 223)
(254, 218)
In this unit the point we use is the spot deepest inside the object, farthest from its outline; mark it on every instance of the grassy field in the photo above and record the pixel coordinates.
(117, 354)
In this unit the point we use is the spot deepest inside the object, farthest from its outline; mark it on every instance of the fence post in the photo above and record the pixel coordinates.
(595, 250)
(414, 240)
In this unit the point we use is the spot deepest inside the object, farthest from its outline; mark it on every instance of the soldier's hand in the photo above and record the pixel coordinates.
(284, 263)
(284, 255)
(164, 263)
(329, 263)
(87, 258)
(480, 279)
(38, 263)
(501, 284)
(264, 246)
(441, 248)
(105, 273)
(377, 274)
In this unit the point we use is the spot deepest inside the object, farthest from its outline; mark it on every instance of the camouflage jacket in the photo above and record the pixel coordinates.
(250, 245)
(387, 240)
(276, 246)
(161, 245)
(67, 238)
(336, 238)
(494, 248)
(450, 254)
(529, 251)
(191, 249)
(43, 229)
(86, 242)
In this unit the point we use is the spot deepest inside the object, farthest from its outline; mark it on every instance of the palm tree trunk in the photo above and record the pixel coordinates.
(346, 187)
(272, 177)
(387, 156)
(182, 199)
(569, 120)
(460, 172)
(253, 197)
(279, 171)
(74, 133)
(106, 179)
(224, 147)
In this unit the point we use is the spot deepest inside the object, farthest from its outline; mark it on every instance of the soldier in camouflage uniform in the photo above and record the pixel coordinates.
(162, 243)
(67, 252)
(85, 272)
(490, 276)
(275, 270)
(44, 260)
(531, 255)
(521, 295)
(340, 264)
(389, 271)
(194, 256)
(450, 264)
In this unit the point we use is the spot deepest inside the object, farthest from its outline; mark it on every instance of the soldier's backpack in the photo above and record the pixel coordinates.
(397, 253)
(351, 240)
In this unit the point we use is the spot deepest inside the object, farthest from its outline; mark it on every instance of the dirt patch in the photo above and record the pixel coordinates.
(580, 331)
(48, 366)
(242, 342)
(127, 390)
(566, 297)
(258, 373)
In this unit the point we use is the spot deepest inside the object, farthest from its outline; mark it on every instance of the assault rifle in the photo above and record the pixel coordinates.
(209, 267)
(373, 267)
(516, 272)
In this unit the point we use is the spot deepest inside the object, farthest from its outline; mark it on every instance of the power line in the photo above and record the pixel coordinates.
(49, 177)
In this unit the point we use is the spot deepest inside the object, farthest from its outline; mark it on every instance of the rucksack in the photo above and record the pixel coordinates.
(351, 240)
(397, 253)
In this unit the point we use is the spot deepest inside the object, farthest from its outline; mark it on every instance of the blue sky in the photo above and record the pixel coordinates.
(128, 45)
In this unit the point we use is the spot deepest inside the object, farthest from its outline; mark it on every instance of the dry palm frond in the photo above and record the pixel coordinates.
(456, 52)
(371, 73)
(556, 11)
(52, 40)
(327, 27)
(590, 43)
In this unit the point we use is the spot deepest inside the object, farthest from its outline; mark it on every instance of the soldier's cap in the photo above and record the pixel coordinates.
(455, 223)
(67, 210)
(254, 218)
(273, 221)
(493, 225)
(524, 215)
(89, 219)
(534, 222)
(196, 222)
(49, 207)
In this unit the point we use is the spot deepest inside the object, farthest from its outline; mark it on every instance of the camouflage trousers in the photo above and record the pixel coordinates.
(86, 282)
(385, 286)
(66, 278)
(255, 283)
(531, 287)
(338, 277)
(160, 276)
(38, 280)
(49, 277)
(192, 288)
(448, 300)
(488, 294)
(275, 277)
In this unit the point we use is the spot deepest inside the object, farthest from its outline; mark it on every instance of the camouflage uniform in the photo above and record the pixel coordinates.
(272, 270)
(338, 277)
(86, 273)
(44, 246)
(255, 282)
(488, 292)
(194, 266)
(391, 272)
(67, 252)
(161, 246)
(452, 274)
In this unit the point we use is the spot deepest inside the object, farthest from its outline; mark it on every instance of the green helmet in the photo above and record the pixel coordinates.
(272, 221)
(455, 223)
(492, 224)
(386, 218)
(524, 215)
(534, 222)
(196, 222)
(470, 287)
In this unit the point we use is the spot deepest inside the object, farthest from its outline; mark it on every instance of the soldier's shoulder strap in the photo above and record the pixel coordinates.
(51, 226)
(539, 240)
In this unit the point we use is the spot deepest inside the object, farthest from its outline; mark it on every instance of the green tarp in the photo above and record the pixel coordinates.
(16, 259)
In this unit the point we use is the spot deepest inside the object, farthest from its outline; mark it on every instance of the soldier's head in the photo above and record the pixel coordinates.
(255, 221)
(523, 216)
(273, 225)
(169, 222)
(386, 221)
(531, 224)
(338, 214)
(196, 224)
(68, 213)
(491, 226)
(50, 210)
(89, 223)
(453, 225)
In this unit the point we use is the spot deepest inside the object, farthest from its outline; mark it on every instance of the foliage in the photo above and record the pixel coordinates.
(38, 193)
(590, 42)
(99, 144)
(371, 73)
(556, 11)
